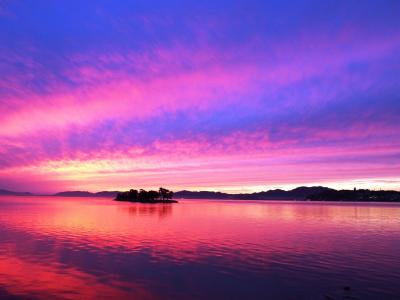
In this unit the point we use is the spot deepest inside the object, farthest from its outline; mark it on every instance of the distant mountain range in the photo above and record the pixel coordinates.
(110, 194)
(300, 193)
(6, 192)
(315, 193)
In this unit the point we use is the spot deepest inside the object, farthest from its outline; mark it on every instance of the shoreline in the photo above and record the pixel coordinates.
(149, 202)
(215, 199)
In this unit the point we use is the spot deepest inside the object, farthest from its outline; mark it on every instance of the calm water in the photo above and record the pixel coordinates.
(91, 248)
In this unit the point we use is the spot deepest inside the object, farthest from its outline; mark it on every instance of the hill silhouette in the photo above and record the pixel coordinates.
(109, 194)
(11, 193)
(299, 193)
(315, 193)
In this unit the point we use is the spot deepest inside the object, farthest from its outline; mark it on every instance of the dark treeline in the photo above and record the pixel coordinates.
(315, 193)
(162, 195)
(356, 195)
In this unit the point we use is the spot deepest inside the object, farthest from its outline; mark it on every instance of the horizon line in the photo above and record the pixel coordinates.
(192, 190)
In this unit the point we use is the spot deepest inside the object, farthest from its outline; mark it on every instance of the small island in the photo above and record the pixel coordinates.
(142, 196)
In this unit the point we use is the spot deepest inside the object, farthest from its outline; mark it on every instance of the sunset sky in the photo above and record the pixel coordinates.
(235, 96)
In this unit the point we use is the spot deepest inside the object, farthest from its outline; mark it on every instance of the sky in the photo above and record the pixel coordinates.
(234, 96)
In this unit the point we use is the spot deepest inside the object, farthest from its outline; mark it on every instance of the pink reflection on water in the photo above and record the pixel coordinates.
(113, 246)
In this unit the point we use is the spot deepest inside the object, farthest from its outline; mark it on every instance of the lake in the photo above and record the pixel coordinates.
(94, 248)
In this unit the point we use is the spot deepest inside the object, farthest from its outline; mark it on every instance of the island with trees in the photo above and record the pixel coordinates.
(161, 196)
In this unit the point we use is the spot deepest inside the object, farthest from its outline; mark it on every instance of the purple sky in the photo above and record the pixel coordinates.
(230, 96)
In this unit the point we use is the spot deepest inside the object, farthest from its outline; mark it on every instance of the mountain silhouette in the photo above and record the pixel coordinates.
(314, 193)
(107, 194)
(11, 193)
(299, 193)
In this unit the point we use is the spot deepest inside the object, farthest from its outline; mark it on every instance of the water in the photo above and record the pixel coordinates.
(92, 248)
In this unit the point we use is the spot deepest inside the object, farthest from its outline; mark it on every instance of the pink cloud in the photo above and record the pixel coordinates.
(150, 85)
(175, 79)
(238, 159)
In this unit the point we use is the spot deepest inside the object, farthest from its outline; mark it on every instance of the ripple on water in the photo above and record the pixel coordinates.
(216, 250)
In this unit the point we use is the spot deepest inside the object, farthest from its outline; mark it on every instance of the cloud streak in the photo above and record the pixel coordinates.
(226, 101)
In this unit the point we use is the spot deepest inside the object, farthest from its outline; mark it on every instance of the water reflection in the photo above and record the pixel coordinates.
(96, 248)
(161, 210)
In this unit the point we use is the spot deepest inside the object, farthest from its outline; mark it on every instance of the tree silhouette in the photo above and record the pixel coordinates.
(162, 195)
(165, 194)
